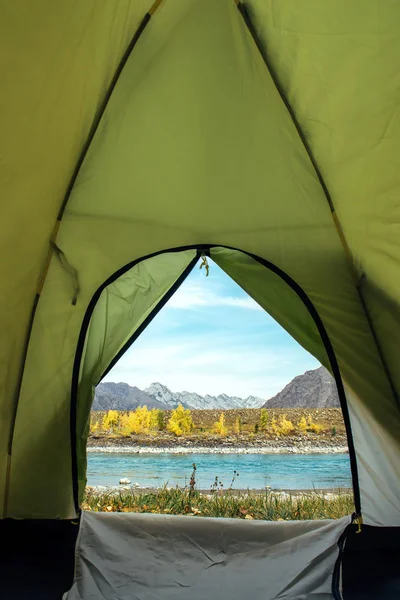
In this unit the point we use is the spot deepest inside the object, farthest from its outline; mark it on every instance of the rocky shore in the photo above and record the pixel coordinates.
(311, 444)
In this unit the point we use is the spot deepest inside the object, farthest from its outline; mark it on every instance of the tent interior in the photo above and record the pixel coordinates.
(137, 137)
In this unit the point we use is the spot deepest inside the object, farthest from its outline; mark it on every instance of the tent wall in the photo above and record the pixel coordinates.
(337, 63)
(56, 62)
(378, 465)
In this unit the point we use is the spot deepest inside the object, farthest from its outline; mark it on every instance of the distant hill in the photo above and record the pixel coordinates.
(121, 396)
(313, 389)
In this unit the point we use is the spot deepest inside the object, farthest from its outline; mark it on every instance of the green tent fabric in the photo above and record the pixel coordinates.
(137, 136)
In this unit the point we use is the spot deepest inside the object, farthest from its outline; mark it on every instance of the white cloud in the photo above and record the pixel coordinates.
(195, 296)
(211, 368)
(239, 351)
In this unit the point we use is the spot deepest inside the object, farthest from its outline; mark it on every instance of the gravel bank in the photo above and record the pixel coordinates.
(299, 449)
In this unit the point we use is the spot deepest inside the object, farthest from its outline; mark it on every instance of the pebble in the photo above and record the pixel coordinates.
(124, 481)
(219, 450)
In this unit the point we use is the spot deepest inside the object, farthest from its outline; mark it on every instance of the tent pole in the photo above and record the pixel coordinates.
(349, 259)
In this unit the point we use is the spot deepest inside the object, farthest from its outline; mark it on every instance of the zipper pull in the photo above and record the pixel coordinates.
(205, 264)
(359, 521)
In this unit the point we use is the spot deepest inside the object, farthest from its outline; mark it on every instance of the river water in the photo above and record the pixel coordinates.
(256, 471)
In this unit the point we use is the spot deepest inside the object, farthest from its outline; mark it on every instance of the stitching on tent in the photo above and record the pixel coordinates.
(205, 248)
(349, 259)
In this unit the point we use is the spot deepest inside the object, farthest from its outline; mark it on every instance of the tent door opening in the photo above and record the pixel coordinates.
(129, 300)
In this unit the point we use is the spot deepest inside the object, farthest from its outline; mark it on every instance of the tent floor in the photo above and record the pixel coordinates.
(371, 564)
(37, 561)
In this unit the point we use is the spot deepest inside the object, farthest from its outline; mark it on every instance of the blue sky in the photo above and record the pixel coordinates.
(211, 337)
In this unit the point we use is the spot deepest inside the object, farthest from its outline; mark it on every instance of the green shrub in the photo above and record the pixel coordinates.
(238, 425)
(264, 418)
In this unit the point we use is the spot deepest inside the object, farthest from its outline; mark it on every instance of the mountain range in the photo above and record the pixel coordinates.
(161, 393)
(314, 388)
(121, 396)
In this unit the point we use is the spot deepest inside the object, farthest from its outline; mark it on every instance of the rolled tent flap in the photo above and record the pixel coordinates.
(123, 308)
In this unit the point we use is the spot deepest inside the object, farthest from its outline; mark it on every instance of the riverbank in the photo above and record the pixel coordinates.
(290, 431)
(243, 504)
(165, 444)
(219, 450)
(327, 493)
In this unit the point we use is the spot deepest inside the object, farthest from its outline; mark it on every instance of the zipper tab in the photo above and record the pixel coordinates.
(205, 264)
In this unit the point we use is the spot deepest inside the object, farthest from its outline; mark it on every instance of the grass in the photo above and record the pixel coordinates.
(269, 505)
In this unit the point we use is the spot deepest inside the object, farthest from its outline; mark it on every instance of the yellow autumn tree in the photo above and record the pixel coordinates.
(286, 427)
(314, 427)
(110, 420)
(302, 424)
(274, 427)
(180, 421)
(307, 425)
(219, 427)
(155, 419)
(137, 421)
(94, 425)
(127, 423)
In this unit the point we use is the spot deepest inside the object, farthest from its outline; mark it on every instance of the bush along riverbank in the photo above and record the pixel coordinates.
(219, 502)
(243, 430)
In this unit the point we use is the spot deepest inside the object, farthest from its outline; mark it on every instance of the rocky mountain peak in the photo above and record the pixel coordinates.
(313, 389)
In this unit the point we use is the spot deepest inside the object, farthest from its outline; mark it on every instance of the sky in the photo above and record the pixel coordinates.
(212, 338)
